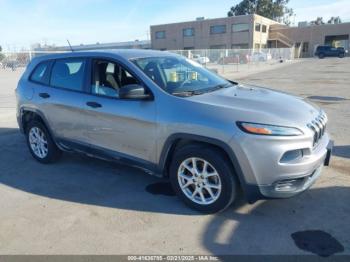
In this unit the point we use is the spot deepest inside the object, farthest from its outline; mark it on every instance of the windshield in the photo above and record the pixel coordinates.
(180, 76)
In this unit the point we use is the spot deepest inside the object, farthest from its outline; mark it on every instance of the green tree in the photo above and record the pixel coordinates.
(334, 20)
(274, 9)
(318, 21)
(2, 56)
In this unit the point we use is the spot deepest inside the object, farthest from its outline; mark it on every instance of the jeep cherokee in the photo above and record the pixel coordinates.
(171, 117)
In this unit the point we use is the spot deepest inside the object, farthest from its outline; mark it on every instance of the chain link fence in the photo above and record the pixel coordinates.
(224, 61)
(19, 60)
(221, 61)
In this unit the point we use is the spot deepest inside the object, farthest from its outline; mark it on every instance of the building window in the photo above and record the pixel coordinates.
(264, 28)
(257, 27)
(240, 27)
(218, 47)
(217, 29)
(305, 47)
(240, 46)
(188, 32)
(160, 35)
(189, 48)
(257, 46)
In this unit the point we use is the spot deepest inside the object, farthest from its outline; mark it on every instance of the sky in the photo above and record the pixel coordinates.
(25, 22)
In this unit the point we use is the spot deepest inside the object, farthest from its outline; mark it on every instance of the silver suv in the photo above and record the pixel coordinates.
(173, 118)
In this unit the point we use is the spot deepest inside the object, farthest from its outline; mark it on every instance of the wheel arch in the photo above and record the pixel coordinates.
(175, 141)
(29, 114)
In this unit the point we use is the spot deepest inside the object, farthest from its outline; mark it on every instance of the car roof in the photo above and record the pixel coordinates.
(122, 53)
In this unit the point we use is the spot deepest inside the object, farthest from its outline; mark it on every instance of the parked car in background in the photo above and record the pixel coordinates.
(324, 51)
(260, 57)
(237, 58)
(9, 63)
(201, 59)
(168, 115)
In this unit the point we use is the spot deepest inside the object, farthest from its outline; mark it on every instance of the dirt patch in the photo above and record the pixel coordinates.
(317, 242)
(327, 98)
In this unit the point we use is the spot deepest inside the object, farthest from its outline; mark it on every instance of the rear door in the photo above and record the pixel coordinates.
(64, 102)
(122, 127)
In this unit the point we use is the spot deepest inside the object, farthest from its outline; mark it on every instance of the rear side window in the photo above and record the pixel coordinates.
(40, 72)
(68, 73)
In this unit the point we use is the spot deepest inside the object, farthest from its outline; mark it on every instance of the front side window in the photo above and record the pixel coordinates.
(188, 32)
(217, 29)
(68, 73)
(160, 35)
(180, 76)
(39, 74)
(108, 78)
(240, 27)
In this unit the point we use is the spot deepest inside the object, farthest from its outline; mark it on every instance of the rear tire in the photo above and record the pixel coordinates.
(321, 56)
(211, 177)
(40, 143)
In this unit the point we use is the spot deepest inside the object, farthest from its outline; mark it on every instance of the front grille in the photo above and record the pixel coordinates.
(318, 126)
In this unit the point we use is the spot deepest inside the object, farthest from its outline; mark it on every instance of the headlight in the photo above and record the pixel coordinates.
(268, 130)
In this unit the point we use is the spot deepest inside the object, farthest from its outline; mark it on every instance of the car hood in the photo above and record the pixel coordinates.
(260, 105)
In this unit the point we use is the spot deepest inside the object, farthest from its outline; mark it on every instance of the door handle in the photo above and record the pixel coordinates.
(93, 104)
(44, 95)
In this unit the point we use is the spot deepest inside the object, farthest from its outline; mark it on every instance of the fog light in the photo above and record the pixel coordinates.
(286, 186)
(290, 185)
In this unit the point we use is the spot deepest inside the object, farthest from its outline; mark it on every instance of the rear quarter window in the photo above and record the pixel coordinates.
(40, 73)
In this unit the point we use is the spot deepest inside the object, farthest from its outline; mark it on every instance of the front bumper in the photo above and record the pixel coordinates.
(264, 173)
(290, 187)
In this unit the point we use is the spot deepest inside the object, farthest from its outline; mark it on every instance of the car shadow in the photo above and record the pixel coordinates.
(342, 151)
(266, 227)
(315, 222)
(81, 179)
(8, 130)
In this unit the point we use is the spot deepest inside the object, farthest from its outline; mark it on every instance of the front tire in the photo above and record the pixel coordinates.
(40, 143)
(202, 177)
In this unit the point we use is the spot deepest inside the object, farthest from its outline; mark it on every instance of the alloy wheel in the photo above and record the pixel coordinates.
(199, 181)
(38, 142)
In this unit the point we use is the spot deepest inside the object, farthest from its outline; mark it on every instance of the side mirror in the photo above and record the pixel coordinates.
(133, 91)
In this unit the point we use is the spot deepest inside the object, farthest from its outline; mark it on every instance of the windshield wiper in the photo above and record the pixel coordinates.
(187, 93)
(199, 92)
(217, 87)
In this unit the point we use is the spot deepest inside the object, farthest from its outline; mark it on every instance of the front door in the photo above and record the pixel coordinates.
(125, 127)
